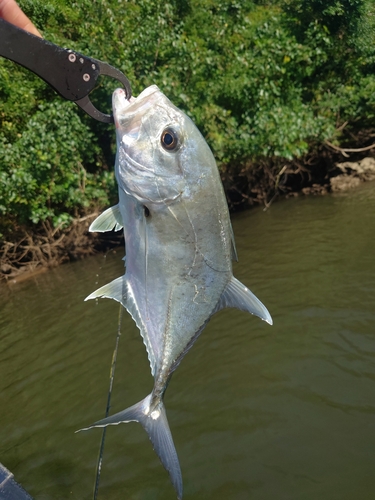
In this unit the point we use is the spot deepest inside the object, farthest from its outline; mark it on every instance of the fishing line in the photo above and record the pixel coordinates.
(111, 379)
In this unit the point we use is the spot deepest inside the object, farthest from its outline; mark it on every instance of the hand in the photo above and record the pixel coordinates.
(10, 11)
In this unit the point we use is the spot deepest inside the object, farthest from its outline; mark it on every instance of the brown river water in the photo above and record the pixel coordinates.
(257, 412)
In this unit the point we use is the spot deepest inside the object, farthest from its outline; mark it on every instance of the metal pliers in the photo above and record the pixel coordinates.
(70, 74)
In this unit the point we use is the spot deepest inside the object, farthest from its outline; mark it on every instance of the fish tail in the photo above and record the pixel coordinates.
(156, 425)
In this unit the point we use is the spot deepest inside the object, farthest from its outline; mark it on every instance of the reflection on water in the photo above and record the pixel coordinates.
(257, 412)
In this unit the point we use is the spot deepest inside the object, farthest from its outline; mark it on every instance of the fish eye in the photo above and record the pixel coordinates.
(169, 139)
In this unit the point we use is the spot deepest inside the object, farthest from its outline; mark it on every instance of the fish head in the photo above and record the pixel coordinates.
(155, 142)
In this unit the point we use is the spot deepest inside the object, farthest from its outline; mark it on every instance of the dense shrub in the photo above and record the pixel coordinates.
(261, 79)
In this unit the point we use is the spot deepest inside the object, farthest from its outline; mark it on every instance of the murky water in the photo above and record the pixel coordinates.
(257, 412)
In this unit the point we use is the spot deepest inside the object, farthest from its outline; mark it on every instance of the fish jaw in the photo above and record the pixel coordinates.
(124, 110)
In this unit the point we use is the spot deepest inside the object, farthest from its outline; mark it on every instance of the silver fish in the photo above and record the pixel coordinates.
(179, 248)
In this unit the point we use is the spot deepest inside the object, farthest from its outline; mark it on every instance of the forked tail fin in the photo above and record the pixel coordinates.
(156, 425)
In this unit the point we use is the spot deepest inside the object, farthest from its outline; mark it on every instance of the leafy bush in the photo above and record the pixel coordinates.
(261, 79)
(42, 173)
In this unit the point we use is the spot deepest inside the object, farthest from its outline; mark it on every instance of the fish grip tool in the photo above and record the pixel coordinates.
(69, 73)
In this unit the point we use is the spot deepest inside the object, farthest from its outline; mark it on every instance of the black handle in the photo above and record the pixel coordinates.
(71, 74)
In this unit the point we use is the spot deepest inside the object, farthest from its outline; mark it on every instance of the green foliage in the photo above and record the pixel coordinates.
(260, 79)
(340, 17)
(42, 172)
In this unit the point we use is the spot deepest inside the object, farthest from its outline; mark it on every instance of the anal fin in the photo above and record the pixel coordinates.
(121, 291)
(116, 290)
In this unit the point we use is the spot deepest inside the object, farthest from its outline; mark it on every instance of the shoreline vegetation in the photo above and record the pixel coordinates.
(282, 90)
(48, 247)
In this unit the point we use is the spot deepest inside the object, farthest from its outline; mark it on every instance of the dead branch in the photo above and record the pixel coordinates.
(48, 246)
(344, 151)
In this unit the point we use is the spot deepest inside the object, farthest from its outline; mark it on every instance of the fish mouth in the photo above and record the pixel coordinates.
(129, 111)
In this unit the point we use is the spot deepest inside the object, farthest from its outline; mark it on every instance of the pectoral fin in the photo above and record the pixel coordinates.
(110, 220)
(238, 295)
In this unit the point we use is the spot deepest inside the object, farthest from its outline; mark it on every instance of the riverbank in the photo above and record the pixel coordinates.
(320, 174)
(33, 251)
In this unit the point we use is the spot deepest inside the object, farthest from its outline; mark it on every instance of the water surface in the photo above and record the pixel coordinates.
(257, 412)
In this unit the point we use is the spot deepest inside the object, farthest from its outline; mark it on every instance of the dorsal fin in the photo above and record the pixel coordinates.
(233, 244)
(109, 220)
(238, 295)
